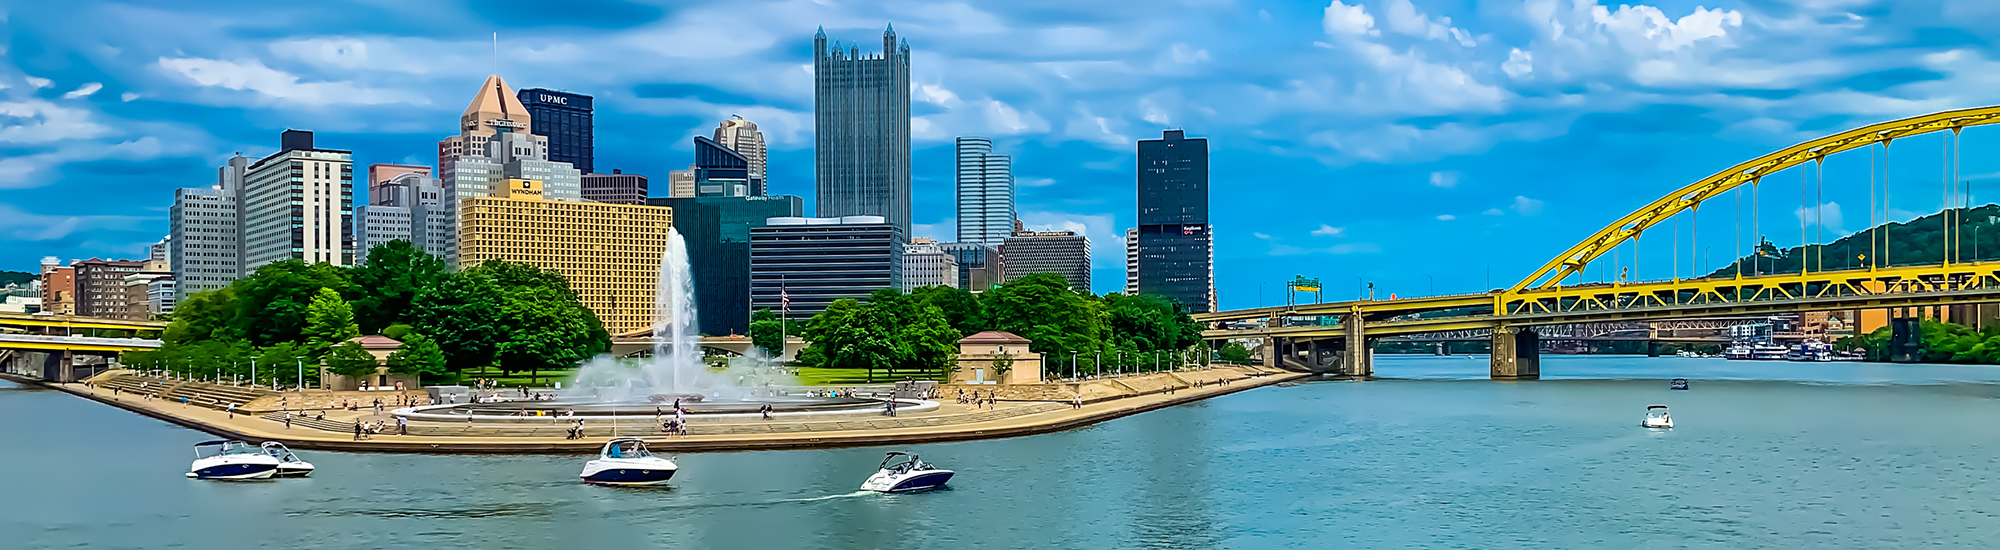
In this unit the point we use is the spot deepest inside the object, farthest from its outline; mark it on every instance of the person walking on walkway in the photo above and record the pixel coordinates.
(357, 430)
(232, 411)
(402, 426)
(288, 420)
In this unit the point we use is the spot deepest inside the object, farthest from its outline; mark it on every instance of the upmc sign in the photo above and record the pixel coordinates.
(556, 99)
(538, 96)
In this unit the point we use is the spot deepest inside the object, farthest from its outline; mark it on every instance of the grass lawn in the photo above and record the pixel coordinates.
(542, 380)
(816, 376)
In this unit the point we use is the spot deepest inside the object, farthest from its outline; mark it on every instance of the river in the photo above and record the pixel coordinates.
(1764, 455)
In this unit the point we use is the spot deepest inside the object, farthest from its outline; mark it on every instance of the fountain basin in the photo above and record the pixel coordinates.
(512, 411)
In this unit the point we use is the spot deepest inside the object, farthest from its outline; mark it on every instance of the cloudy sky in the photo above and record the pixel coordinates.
(1417, 144)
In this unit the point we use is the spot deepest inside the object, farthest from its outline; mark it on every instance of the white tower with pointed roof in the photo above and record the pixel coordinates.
(493, 145)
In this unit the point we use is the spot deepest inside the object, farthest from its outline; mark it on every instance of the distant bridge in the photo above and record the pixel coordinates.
(1513, 319)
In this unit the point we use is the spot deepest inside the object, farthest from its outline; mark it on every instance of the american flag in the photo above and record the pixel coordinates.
(784, 300)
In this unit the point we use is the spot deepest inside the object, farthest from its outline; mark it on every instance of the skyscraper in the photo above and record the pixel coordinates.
(811, 262)
(861, 130)
(609, 252)
(492, 147)
(925, 263)
(985, 192)
(297, 204)
(616, 187)
(407, 205)
(1174, 235)
(1131, 260)
(717, 232)
(203, 223)
(565, 119)
(742, 136)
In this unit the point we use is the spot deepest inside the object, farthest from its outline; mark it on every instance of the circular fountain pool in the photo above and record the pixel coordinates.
(710, 407)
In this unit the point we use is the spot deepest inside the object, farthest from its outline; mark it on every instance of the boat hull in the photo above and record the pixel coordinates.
(628, 473)
(234, 470)
(293, 469)
(917, 481)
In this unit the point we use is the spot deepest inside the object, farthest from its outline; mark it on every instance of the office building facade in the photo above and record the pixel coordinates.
(720, 171)
(741, 136)
(203, 228)
(565, 119)
(1175, 240)
(680, 183)
(100, 286)
(409, 205)
(717, 233)
(815, 261)
(141, 302)
(980, 266)
(985, 192)
(609, 252)
(927, 264)
(297, 204)
(162, 251)
(1063, 253)
(1131, 260)
(861, 123)
(495, 145)
(616, 187)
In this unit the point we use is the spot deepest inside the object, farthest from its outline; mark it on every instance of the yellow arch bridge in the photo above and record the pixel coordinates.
(1299, 336)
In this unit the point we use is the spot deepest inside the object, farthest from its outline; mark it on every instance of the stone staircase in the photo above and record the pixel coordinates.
(213, 396)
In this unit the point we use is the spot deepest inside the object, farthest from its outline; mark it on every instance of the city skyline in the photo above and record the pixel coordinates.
(1464, 122)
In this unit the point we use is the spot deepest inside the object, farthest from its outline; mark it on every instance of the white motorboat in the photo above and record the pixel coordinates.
(626, 462)
(906, 474)
(289, 464)
(1657, 417)
(231, 459)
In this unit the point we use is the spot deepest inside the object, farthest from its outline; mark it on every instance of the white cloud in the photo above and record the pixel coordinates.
(28, 171)
(1328, 231)
(1445, 179)
(252, 75)
(1446, 217)
(39, 82)
(1351, 20)
(1107, 245)
(1185, 55)
(1494, 212)
(84, 90)
(1827, 216)
(128, 96)
(1339, 249)
(1035, 182)
(1519, 63)
(1526, 206)
(17, 224)
(1261, 236)
(37, 121)
(1403, 17)
(942, 231)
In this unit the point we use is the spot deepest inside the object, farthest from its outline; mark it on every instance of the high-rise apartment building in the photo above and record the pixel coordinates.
(1063, 253)
(297, 204)
(494, 146)
(680, 183)
(1131, 261)
(1175, 241)
(717, 233)
(409, 205)
(58, 287)
(861, 130)
(927, 264)
(741, 136)
(811, 262)
(616, 187)
(609, 252)
(985, 192)
(565, 119)
(203, 225)
(100, 286)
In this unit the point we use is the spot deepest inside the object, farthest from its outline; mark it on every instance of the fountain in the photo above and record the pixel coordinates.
(674, 374)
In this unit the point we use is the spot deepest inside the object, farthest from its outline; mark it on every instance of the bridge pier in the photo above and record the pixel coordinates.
(1517, 354)
(1358, 359)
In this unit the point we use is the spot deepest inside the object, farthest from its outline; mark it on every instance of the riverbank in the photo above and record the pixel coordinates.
(1106, 399)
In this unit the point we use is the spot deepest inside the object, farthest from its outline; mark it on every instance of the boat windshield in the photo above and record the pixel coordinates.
(626, 449)
(216, 448)
(1656, 411)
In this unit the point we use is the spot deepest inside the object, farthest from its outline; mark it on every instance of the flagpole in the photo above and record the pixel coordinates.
(784, 316)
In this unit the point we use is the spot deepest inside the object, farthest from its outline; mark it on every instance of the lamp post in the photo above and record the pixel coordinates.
(302, 375)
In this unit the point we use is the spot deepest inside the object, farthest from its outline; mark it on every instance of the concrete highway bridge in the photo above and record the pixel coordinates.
(1514, 318)
(67, 348)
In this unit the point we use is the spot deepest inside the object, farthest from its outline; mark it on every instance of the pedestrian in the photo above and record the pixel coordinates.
(322, 416)
(232, 411)
(288, 420)
(402, 426)
(357, 430)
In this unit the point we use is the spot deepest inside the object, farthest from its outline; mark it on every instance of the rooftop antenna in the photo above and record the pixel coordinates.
(496, 53)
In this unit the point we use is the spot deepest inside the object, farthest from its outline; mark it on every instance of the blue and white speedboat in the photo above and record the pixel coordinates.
(231, 459)
(907, 474)
(626, 462)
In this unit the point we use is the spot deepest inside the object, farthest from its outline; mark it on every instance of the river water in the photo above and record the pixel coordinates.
(1764, 455)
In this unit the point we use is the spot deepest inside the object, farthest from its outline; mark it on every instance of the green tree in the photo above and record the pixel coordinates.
(272, 303)
(283, 361)
(350, 359)
(1042, 308)
(462, 314)
(765, 330)
(1149, 323)
(930, 341)
(1234, 352)
(389, 281)
(960, 308)
(419, 355)
(330, 321)
(547, 328)
(207, 315)
(849, 335)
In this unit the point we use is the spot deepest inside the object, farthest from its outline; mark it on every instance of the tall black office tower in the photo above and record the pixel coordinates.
(861, 127)
(565, 119)
(1175, 242)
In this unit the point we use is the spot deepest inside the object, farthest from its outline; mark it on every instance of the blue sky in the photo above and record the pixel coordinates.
(1415, 144)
